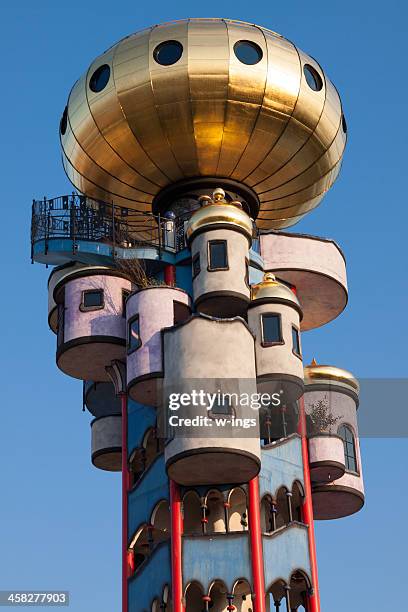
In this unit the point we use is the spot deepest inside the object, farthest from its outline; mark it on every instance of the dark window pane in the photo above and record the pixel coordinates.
(168, 52)
(349, 448)
(100, 78)
(93, 299)
(271, 328)
(313, 78)
(295, 340)
(248, 52)
(218, 255)
(134, 334)
(64, 121)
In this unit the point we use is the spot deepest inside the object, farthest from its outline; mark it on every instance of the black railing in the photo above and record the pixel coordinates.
(77, 217)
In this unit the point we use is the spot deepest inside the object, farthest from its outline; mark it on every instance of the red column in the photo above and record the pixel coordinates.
(176, 533)
(254, 516)
(125, 489)
(307, 511)
(170, 275)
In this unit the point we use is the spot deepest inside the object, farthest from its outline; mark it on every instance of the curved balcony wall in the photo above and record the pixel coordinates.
(315, 266)
(149, 582)
(221, 288)
(148, 311)
(281, 466)
(336, 398)
(211, 451)
(224, 557)
(56, 277)
(284, 552)
(326, 458)
(107, 443)
(92, 327)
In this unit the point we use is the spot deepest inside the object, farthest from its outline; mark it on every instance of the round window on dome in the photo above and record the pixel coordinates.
(100, 78)
(64, 121)
(248, 52)
(313, 78)
(168, 52)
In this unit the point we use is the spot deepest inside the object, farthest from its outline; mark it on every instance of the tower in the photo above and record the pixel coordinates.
(179, 300)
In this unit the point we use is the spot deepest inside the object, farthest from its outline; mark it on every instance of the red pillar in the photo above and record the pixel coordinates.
(176, 533)
(307, 511)
(254, 516)
(170, 275)
(125, 489)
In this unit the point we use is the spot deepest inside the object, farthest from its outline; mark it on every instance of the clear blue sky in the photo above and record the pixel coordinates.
(59, 517)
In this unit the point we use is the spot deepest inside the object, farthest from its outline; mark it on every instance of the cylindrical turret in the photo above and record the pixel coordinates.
(148, 311)
(274, 316)
(220, 236)
(91, 321)
(107, 442)
(331, 401)
(204, 450)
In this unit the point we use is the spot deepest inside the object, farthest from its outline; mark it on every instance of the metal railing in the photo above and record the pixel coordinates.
(77, 217)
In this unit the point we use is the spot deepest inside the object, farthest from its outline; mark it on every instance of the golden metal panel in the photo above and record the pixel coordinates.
(207, 115)
(246, 89)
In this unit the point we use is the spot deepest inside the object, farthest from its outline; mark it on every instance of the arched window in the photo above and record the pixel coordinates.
(192, 513)
(350, 455)
(215, 513)
(297, 501)
(238, 515)
(299, 587)
(242, 596)
(194, 597)
(268, 515)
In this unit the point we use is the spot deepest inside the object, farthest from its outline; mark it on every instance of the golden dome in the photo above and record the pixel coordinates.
(216, 211)
(174, 102)
(272, 290)
(317, 373)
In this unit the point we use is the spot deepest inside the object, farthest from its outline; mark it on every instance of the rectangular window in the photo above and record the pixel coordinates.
(92, 299)
(196, 265)
(133, 339)
(271, 329)
(217, 255)
(125, 295)
(61, 324)
(247, 272)
(296, 341)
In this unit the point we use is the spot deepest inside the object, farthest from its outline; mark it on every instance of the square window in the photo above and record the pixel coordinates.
(296, 341)
(271, 329)
(133, 339)
(92, 299)
(217, 255)
(196, 265)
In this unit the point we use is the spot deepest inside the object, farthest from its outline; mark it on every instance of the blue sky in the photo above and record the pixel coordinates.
(60, 518)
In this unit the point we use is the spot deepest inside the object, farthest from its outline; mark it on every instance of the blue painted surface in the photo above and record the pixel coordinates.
(150, 489)
(281, 465)
(149, 582)
(223, 556)
(140, 419)
(284, 552)
(184, 278)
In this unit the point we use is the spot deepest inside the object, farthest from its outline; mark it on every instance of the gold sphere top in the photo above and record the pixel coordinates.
(219, 213)
(270, 289)
(205, 98)
(326, 374)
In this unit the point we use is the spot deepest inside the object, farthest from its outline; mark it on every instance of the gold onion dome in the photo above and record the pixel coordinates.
(201, 99)
(272, 290)
(316, 373)
(216, 211)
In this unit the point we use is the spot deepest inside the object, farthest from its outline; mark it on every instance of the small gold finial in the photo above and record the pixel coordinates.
(205, 200)
(269, 277)
(218, 195)
(313, 362)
